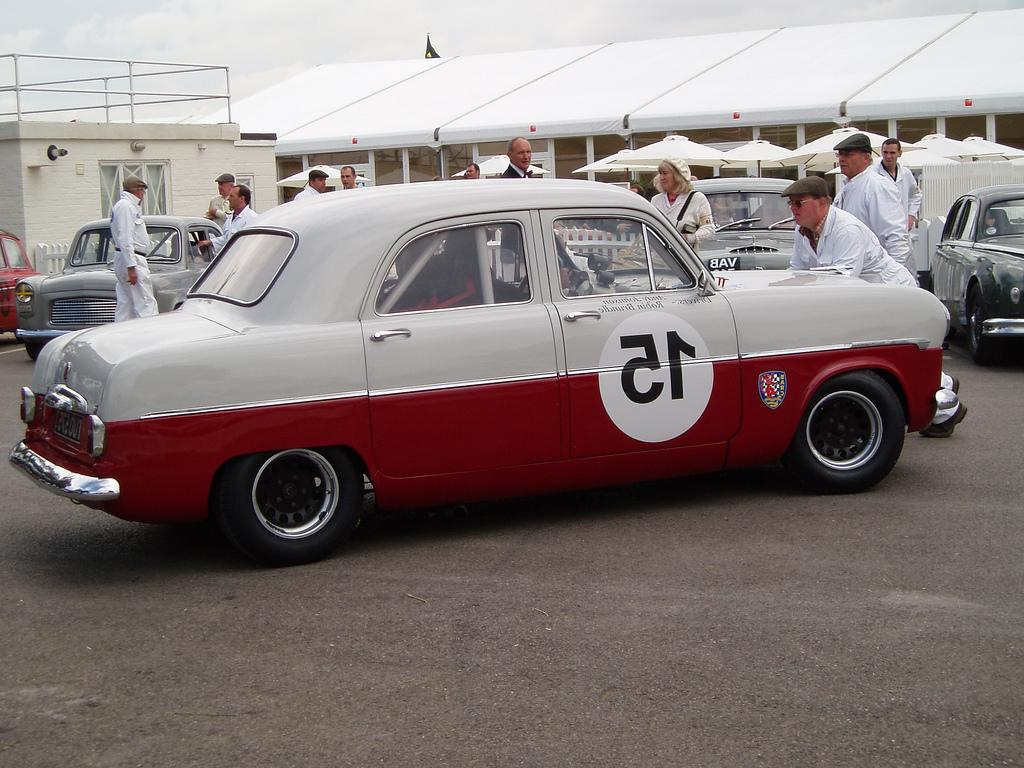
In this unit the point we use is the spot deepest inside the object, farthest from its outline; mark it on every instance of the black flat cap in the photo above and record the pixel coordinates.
(858, 142)
(225, 177)
(812, 186)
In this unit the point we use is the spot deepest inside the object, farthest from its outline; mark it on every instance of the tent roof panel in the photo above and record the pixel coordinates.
(800, 74)
(980, 60)
(312, 94)
(409, 112)
(593, 94)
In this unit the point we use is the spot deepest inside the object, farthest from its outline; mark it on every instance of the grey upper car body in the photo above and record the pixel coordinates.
(753, 225)
(83, 296)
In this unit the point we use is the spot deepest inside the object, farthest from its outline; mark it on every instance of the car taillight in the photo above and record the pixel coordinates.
(97, 436)
(28, 405)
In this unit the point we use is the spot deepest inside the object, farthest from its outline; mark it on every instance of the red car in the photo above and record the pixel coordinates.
(14, 265)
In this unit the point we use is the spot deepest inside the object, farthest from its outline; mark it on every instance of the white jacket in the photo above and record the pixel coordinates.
(235, 222)
(128, 231)
(847, 243)
(876, 202)
(696, 224)
(910, 192)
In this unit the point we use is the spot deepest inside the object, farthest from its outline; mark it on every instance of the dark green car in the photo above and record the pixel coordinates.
(978, 269)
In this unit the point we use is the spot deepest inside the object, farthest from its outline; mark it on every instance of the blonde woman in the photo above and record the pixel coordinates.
(688, 210)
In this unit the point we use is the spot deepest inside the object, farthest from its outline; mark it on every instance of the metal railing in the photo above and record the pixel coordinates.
(118, 87)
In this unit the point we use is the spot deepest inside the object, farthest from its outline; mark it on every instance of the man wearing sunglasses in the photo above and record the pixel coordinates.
(871, 199)
(829, 237)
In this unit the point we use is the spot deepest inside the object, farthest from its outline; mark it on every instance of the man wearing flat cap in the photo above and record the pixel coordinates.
(133, 289)
(316, 186)
(218, 209)
(868, 197)
(829, 237)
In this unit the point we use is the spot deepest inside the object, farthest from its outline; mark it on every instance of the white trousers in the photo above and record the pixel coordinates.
(135, 300)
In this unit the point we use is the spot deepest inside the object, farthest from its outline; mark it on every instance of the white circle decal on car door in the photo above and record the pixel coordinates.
(650, 385)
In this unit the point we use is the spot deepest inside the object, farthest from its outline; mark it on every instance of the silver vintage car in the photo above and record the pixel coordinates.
(82, 295)
(753, 225)
(445, 341)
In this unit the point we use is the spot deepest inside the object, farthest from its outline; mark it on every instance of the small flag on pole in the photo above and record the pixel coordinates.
(431, 53)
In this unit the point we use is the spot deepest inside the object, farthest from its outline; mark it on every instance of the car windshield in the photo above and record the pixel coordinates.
(1003, 218)
(746, 210)
(16, 258)
(244, 271)
(95, 246)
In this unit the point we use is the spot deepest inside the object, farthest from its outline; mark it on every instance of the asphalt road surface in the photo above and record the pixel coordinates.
(729, 620)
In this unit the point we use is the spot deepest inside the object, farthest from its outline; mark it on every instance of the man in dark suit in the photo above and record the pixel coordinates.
(519, 156)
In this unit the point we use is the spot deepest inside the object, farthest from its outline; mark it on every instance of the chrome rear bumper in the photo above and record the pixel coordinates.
(999, 326)
(62, 481)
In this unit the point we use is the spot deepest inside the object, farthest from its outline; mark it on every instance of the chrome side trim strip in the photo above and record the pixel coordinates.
(919, 343)
(463, 384)
(254, 404)
(682, 363)
(61, 481)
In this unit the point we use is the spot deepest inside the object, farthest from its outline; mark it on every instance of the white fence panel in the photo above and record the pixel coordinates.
(49, 258)
(943, 184)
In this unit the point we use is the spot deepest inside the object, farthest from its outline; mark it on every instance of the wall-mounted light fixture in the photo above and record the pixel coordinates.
(138, 146)
(200, 146)
(53, 152)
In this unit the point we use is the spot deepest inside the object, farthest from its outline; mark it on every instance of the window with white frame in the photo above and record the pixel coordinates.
(156, 176)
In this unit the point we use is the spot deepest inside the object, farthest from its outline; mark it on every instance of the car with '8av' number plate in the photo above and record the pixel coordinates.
(461, 342)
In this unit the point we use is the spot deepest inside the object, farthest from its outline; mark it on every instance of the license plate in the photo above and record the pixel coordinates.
(68, 425)
(721, 263)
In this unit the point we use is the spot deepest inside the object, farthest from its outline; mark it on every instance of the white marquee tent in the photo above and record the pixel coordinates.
(948, 65)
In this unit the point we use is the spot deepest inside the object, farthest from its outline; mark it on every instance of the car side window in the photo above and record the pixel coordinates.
(950, 225)
(457, 267)
(614, 255)
(601, 255)
(164, 245)
(965, 226)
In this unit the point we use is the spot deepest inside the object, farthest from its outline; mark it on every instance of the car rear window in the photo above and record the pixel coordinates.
(247, 267)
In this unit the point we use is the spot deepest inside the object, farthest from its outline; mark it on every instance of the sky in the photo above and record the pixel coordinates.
(265, 41)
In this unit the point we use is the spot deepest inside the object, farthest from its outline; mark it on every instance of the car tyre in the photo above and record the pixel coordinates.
(984, 351)
(289, 507)
(33, 349)
(850, 436)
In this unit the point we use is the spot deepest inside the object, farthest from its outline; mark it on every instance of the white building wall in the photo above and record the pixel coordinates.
(46, 201)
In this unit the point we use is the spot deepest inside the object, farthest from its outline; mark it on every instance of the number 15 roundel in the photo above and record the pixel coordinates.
(651, 386)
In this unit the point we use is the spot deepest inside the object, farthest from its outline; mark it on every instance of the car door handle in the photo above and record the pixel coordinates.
(572, 317)
(382, 335)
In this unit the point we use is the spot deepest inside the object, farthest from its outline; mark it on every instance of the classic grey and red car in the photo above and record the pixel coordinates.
(82, 295)
(14, 265)
(444, 341)
(978, 268)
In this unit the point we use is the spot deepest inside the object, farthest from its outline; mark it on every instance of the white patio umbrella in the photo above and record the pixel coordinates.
(923, 157)
(301, 178)
(939, 144)
(758, 151)
(820, 153)
(990, 150)
(604, 165)
(669, 148)
(495, 166)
